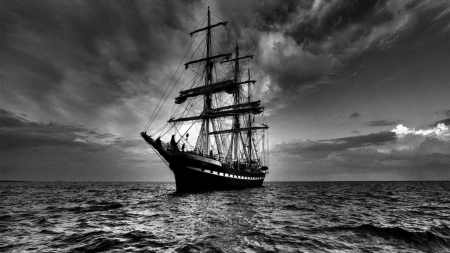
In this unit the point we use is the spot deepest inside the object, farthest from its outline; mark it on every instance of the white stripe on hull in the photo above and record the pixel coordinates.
(222, 174)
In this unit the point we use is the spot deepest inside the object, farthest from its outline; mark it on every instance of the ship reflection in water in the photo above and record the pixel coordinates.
(278, 217)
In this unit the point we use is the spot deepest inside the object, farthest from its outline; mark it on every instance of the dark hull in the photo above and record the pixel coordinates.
(195, 173)
(190, 180)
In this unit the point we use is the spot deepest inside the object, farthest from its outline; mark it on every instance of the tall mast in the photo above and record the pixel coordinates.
(208, 67)
(249, 133)
(236, 101)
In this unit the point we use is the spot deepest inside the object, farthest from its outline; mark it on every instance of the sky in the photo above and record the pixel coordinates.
(353, 90)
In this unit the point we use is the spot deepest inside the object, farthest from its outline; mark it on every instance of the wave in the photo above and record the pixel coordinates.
(138, 235)
(198, 247)
(299, 208)
(5, 217)
(5, 248)
(49, 232)
(98, 245)
(435, 237)
(254, 233)
(43, 221)
(96, 206)
(78, 238)
(144, 239)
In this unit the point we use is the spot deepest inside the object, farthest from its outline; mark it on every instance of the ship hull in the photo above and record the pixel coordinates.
(191, 179)
(198, 173)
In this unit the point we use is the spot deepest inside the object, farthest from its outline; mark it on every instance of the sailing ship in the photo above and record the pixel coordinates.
(217, 109)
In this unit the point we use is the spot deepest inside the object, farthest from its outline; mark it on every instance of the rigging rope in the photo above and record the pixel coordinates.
(165, 100)
(152, 118)
(160, 156)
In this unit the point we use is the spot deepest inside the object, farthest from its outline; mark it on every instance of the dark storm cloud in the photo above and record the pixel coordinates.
(52, 151)
(302, 44)
(444, 121)
(376, 123)
(9, 119)
(336, 16)
(76, 58)
(362, 140)
(355, 115)
(325, 147)
(18, 132)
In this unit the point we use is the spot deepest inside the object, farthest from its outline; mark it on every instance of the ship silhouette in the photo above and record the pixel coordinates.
(217, 109)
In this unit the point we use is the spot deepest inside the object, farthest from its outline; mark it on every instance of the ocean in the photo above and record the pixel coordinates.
(278, 217)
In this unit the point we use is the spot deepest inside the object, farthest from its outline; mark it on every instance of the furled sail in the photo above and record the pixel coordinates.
(226, 56)
(228, 86)
(226, 113)
(239, 130)
(253, 104)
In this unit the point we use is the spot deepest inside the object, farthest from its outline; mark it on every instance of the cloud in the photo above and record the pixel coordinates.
(402, 154)
(444, 121)
(440, 131)
(355, 115)
(303, 44)
(91, 61)
(326, 147)
(381, 123)
(18, 132)
(94, 61)
(52, 151)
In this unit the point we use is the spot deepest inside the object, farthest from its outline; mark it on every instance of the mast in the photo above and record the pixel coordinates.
(236, 101)
(208, 67)
(249, 133)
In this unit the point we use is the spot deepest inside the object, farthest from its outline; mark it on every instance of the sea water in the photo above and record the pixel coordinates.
(278, 217)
